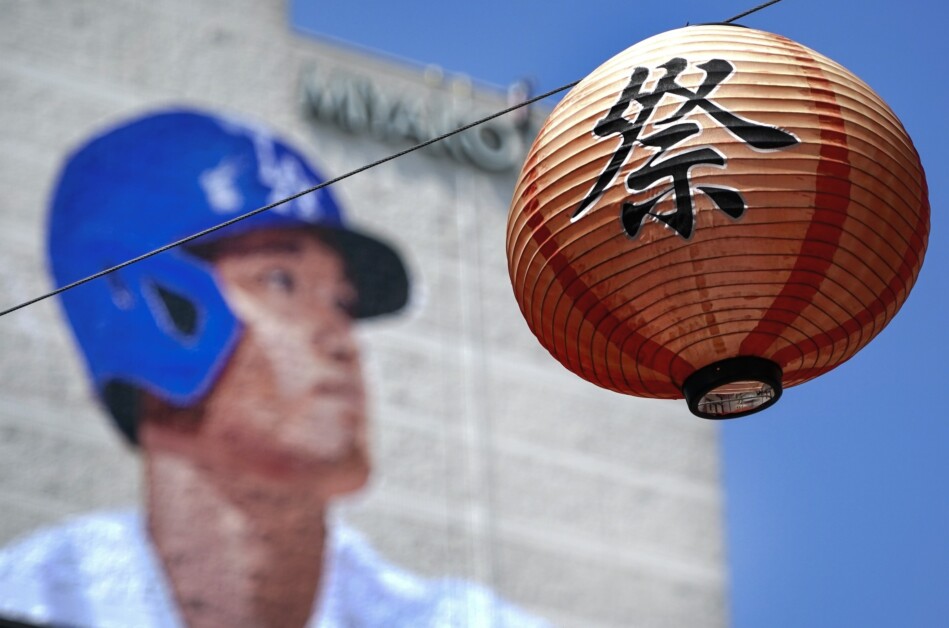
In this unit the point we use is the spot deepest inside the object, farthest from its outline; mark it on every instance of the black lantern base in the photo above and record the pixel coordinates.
(732, 388)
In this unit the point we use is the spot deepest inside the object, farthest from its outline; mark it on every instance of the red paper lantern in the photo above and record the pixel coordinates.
(716, 213)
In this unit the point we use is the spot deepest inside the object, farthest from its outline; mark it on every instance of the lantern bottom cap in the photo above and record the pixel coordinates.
(733, 387)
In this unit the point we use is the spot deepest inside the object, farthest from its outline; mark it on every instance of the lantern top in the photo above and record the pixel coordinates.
(719, 24)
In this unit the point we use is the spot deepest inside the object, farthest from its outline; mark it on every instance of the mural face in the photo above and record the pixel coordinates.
(290, 403)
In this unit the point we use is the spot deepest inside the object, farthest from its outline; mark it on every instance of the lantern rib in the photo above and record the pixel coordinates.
(905, 234)
(796, 314)
(820, 277)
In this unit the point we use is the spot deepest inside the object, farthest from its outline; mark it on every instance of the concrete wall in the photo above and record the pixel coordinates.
(492, 462)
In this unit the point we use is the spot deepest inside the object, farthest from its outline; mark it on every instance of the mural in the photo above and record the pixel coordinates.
(232, 365)
(329, 414)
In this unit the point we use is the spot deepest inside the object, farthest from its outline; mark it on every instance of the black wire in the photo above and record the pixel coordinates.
(750, 11)
(259, 210)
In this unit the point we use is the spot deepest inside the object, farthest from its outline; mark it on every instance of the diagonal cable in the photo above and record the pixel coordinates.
(260, 210)
(750, 11)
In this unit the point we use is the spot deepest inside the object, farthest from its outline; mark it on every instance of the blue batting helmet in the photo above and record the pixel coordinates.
(162, 324)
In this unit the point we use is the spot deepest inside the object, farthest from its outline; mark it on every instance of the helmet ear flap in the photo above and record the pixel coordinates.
(178, 310)
(169, 308)
(161, 326)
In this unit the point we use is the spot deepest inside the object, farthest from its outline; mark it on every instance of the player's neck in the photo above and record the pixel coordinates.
(237, 553)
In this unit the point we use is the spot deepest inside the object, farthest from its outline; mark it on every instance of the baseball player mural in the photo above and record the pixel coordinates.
(232, 365)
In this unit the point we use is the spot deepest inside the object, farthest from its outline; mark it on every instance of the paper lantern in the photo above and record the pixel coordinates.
(716, 213)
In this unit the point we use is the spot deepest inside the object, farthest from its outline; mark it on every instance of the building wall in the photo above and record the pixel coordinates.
(493, 463)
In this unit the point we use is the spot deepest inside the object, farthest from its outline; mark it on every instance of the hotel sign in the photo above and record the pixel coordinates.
(356, 104)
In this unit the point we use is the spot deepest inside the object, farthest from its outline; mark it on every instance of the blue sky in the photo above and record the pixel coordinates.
(838, 497)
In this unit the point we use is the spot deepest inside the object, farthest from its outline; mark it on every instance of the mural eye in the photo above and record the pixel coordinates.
(281, 280)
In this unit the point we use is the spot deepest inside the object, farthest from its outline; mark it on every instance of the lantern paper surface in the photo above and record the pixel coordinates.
(716, 194)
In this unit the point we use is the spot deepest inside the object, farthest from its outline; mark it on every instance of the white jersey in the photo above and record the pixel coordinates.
(100, 571)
